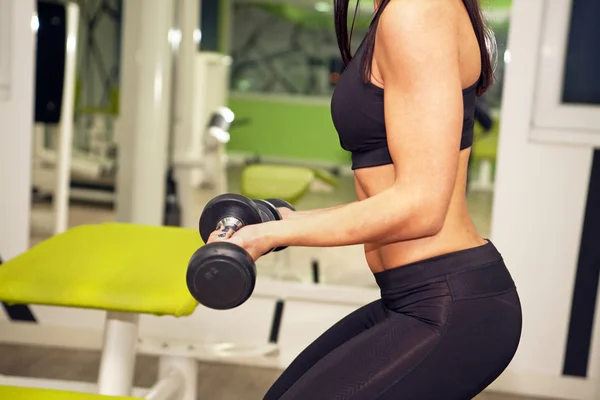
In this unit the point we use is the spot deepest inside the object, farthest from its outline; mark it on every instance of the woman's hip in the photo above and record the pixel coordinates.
(432, 289)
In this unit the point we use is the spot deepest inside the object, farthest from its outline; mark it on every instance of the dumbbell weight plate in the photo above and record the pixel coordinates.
(227, 205)
(274, 215)
(278, 203)
(221, 275)
(268, 210)
(268, 213)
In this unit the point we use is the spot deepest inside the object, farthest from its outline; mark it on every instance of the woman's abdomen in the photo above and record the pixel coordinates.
(457, 233)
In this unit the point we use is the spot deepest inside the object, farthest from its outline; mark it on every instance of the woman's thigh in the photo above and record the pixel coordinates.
(402, 357)
(347, 328)
(367, 364)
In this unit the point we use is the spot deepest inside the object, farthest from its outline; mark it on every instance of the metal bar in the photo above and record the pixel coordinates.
(167, 387)
(63, 162)
(118, 354)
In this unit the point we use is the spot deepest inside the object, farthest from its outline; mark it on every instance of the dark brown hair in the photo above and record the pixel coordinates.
(484, 36)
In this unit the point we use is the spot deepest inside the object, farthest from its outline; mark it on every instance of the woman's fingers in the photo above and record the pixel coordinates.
(220, 235)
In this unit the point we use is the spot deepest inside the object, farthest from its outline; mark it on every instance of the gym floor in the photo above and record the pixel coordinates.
(344, 266)
(215, 381)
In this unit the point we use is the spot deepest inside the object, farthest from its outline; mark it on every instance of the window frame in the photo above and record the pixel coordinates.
(553, 120)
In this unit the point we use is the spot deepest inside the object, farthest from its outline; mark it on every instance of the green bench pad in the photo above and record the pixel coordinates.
(113, 266)
(289, 183)
(19, 393)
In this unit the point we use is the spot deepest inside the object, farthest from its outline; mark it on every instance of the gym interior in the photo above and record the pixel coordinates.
(123, 119)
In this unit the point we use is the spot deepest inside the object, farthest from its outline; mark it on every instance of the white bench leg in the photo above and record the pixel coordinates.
(118, 354)
(483, 179)
(186, 368)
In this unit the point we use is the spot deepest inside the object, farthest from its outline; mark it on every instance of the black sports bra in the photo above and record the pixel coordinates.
(357, 113)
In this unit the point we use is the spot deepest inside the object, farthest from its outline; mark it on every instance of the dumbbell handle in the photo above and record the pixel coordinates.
(229, 222)
(235, 224)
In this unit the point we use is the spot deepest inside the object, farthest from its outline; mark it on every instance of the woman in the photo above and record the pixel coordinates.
(449, 319)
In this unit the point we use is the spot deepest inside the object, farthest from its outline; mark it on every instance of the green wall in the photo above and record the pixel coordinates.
(285, 128)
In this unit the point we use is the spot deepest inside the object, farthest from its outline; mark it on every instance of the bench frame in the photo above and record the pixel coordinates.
(177, 374)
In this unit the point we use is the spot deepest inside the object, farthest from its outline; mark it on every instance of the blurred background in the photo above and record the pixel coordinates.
(144, 110)
(278, 64)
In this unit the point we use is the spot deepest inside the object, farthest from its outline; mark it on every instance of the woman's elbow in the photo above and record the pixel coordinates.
(417, 218)
(431, 225)
(427, 220)
(417, 227)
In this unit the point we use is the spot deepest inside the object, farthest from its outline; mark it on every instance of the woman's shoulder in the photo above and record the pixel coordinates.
(416, 14)
(417, 38)
(408, 22)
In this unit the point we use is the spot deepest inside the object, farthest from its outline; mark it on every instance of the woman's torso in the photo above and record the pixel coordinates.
(458, 231)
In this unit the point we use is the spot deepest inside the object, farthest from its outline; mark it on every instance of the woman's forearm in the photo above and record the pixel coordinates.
(288, 214)
(385, 218)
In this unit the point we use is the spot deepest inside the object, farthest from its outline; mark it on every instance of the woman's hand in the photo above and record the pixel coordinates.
(252, 238)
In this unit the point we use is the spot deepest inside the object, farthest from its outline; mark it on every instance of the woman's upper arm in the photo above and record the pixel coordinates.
(417, 57)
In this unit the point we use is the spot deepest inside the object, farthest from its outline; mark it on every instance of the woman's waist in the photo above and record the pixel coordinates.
(404, 253)
(472, 271)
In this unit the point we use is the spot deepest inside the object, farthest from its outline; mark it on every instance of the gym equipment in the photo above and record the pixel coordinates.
(283, 186)
(22, 393)
(222, 275)
(55, 93)
(172, 215)
(235, 210)
(263, 181)
(124, 269)
(279, 203)
(230, 210)
(50, 58)
(273, 205)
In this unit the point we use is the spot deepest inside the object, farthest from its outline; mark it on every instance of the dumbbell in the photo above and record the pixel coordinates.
(269, 208)
(222, 275)
(232, 210)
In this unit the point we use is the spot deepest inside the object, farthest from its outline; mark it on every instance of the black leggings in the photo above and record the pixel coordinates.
(444, 329)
